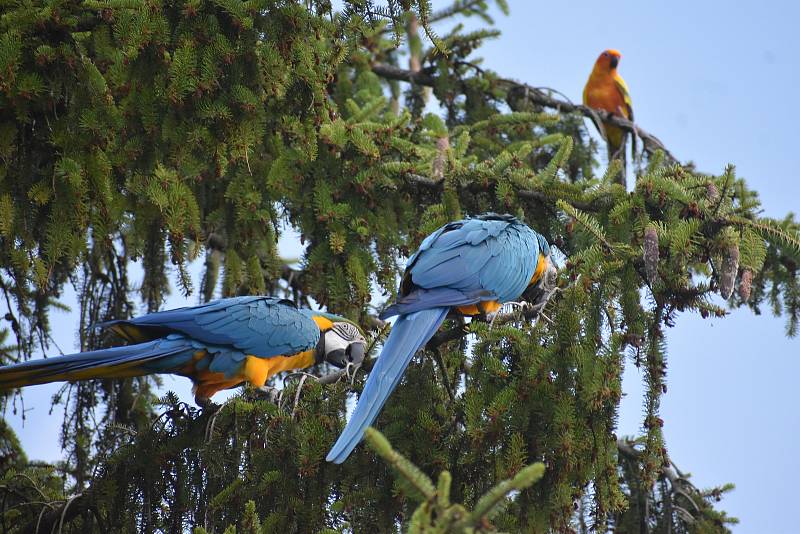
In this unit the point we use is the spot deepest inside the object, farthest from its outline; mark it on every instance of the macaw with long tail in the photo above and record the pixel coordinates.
(218, 345)
(469, 267)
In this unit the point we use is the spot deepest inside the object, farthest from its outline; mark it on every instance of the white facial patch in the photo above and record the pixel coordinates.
(347, 331)
(334, 341)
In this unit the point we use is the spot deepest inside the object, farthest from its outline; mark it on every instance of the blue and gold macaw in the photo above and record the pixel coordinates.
(218, 345)
(468, 267)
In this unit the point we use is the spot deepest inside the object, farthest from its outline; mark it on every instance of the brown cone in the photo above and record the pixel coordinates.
(651, 254)
(745, 284)
(712, 193)
(730, 267)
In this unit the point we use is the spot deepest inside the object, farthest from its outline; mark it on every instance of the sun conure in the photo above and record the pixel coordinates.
(606, 90)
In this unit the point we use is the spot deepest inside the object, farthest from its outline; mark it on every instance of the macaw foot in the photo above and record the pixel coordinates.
(350, 371)
(274, 395)
(508, 311)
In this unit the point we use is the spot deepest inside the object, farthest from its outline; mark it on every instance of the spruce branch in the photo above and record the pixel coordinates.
(526, 478)
(587, 221)
(687, 500)
(527, 194)
(770, 231)
(461, 7)
(408, 470)
(436, 513)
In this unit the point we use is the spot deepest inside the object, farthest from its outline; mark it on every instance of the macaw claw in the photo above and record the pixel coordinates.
(350, 372)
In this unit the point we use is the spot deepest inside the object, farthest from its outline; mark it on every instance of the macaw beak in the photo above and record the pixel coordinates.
(354, 354)
(540, 293)
(614, 61)
(357, 350)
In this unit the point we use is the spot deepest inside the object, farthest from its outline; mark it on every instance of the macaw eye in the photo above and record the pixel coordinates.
(346, 331)
(605, 54)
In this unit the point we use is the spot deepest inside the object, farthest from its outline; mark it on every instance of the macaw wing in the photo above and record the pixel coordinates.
(259, 326)
(514, 260)
(486, 258)
(454, 255)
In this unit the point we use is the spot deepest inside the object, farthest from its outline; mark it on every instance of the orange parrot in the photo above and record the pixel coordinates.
(606, 90)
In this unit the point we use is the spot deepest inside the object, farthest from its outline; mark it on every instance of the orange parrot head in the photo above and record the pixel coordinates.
(608, 60)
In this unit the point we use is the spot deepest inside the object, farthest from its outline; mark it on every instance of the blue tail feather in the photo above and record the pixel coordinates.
(409, 334)
(115, 362)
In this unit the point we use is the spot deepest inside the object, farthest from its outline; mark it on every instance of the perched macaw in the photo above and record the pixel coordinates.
(218, 345)
(468, 267)
(606, 90)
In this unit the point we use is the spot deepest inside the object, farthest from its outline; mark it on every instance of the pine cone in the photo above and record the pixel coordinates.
(745, 284)
(712, 193)
(651, 254)
(439, 161)
(730, 266)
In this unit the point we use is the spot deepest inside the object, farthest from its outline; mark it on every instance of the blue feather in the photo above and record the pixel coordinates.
(261, 326)
(409, 334)
(132, 360)
(488, 258)
(227, 331)
(423, 299)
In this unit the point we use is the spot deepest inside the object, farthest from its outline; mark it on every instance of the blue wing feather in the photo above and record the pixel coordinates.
(486, 258)
(169, 353)
(259, 326)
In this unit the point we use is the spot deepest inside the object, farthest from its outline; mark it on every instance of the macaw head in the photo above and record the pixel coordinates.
(341, 342)
(608, 59)
(539, 293)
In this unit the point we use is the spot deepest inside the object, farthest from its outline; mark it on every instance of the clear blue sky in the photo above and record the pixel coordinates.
(717, 83)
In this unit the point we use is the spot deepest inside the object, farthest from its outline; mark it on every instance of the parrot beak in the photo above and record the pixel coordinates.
(336, 358)
(357, 351)
(614, 61)
(540, 293)
(353, 354)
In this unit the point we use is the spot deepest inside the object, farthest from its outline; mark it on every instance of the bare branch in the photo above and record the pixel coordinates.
(390, 72)
(539, 196)
(54, 519)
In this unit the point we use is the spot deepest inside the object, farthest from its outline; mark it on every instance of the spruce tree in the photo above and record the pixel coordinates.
(162, 131)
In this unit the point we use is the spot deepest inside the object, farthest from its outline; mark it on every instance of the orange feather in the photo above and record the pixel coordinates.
(606, 90)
